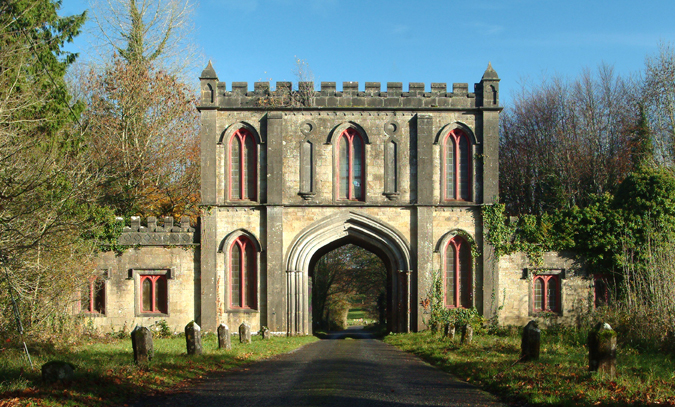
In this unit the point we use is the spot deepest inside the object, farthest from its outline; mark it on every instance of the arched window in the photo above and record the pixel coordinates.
(546, 293)
(242, 169)
(457, 276)
(351, 166)
(457, 167)
(242, 274)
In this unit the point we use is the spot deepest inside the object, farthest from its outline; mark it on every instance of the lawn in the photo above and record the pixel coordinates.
(560, 377)
(106, 374)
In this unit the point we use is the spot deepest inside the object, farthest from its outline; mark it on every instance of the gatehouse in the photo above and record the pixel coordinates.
(291, 174)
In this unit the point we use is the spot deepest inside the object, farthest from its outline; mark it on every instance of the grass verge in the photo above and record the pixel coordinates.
(560, 377)
(106, 374)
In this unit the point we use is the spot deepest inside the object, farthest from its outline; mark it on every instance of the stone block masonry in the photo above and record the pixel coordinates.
(289, 174)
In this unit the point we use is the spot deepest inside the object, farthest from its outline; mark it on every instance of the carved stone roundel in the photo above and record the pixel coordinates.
(391, 128)
(306, 128)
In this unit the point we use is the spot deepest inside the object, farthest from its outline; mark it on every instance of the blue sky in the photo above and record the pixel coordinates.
(423, 41)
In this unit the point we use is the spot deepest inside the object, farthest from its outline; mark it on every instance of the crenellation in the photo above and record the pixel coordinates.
(416, 97)
(415, 89)
(439, 89)
(460, 89)
(154, 234)
(328, 88)
(373, 89)
(394, 89)
(350, 88)
(239, 88)
(261, 88)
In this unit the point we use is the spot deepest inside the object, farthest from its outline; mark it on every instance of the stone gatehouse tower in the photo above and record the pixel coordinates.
(289, 175)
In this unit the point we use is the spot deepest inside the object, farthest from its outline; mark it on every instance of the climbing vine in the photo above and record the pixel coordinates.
(530, 234)
(440, 316)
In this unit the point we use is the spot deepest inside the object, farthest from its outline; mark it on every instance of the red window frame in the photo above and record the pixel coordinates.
(155, 280)
(247, 169)
(543, 305)
(453, 139)
(246, 273)
(95, 288)
(462, 273)
(350, 135)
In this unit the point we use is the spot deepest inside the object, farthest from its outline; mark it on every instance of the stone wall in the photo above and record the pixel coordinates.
(515, 295)
(161, 249)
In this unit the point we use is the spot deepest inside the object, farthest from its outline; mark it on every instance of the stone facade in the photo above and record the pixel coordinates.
(516, 294)
(298, 211)
(164, 251)
(288, 175)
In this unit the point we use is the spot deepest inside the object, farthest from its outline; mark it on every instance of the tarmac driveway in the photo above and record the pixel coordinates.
(339, 371)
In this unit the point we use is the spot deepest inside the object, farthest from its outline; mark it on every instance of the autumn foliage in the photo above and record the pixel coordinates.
(144, 128)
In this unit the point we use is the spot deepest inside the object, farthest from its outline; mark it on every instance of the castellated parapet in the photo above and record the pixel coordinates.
(154, 234)
(216, 95)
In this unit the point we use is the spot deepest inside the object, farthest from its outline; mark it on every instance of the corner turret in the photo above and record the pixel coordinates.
(209, 83)
(489, 88)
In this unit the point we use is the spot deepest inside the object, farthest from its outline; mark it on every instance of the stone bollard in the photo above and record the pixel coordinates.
(467, 334)
(449, 331)
(531, 342)
(602, 349)
(265, 333)
(141, 341)
(244, 333)
(193, 338)
(224, 340)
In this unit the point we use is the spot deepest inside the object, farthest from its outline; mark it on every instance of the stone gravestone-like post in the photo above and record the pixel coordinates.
(449, 331)
(602, 349)
(265, 333)
(531, 342)
(224, 340)
(467, 334)
(244, 333)
(193, 338)
(141, 341)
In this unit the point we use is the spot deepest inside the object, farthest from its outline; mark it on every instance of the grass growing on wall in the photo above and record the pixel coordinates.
(106, 374)
(560, 377)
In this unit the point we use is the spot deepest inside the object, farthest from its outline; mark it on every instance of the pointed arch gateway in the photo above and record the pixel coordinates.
(335, 231)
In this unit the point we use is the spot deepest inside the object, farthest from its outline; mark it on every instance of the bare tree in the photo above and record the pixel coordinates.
(659, 102)
(147, 31)
(144, 127)
(563, 141)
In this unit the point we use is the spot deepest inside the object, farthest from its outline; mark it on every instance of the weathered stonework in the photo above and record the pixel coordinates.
(293, 208)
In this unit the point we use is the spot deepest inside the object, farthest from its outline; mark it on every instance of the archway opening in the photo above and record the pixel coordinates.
(348, 280)
(330, 233)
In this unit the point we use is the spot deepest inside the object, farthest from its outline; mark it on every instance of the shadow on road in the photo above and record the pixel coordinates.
(353, 332)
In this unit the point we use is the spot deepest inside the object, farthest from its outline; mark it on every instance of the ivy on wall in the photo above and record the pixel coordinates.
(604, 231)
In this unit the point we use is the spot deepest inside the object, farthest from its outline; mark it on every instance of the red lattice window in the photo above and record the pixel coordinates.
(457, 276)
(242, 168)
(546, 293)
(351, 166)
(457, 167)
(92, 300)
(154, 298)
(242, 274)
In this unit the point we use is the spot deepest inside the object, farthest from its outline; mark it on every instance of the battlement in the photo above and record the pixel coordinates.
(215, 94)
(154, 234)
